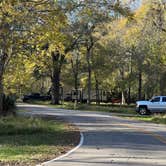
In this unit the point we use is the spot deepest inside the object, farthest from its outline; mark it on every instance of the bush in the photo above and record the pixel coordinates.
(8, 104)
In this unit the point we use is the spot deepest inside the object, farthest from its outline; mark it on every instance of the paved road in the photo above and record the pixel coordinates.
(110, 140)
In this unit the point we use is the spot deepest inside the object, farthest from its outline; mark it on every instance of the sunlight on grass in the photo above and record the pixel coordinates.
(116, 108)
(154, 118)
(33, 140)
(157, 118)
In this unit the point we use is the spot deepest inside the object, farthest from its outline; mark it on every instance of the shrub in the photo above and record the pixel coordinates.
(8, 104)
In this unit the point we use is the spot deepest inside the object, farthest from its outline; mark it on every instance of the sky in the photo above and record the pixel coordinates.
(134, 4)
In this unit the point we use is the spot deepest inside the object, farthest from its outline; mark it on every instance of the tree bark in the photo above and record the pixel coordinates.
(75, 74)
(122, 98)
(56, 87)
(129, 83)
(89, 75)
(76, 87)
(89, 47)
(97, 91)
(1, 93)
(57, 60)
(140, 85)
(162, 83)
(129, 95)
(3, 57)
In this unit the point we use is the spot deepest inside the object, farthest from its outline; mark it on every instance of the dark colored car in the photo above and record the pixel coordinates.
(35, 96)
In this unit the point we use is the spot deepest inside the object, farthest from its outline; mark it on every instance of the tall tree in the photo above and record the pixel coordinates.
(12, 28)
(91, 15)
(18, 22)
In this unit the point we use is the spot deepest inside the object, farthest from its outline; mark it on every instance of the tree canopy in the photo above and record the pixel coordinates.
(111, 45)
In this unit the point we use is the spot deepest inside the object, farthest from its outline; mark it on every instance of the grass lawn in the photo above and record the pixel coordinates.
(30, 141)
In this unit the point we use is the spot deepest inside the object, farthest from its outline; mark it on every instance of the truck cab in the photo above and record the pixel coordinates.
(154, 105)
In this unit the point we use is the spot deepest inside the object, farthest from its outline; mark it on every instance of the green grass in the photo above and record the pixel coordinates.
(29, 141)
(107, 108)
(154, 118)
(159, 119)
(93, 107)
(124, 111)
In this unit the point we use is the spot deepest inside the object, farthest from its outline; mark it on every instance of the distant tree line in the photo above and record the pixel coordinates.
(91, 44)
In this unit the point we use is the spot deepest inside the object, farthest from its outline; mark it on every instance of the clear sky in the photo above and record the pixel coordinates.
(134, 4)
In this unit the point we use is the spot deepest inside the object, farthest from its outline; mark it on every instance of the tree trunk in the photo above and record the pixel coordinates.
(76, 86)
(140, 85)
(161, 86)
(75, 74)
(162, 83)
(3, 57)
(76, 78)
(56, 78)
(129, 84)
(97, 91)
(1, 93)
(89, 75)
(56, 87)
(129, 95)
(122, 99)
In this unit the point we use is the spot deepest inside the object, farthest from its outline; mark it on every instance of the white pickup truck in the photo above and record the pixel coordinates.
(156, 104)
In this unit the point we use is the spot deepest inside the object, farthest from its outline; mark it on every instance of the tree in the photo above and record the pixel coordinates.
(18, 22)
(143, 49)
(18, 76)
(91, 15)
(12, 26)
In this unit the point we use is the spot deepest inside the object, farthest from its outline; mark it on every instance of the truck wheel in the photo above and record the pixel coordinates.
(143, 110)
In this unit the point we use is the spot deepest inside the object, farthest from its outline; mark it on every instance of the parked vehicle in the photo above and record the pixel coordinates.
(154, 105)
(35, 96)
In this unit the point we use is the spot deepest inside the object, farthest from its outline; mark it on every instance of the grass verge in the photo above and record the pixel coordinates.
(122, 110)
(154, 118)
(30, 141)
(116, 108)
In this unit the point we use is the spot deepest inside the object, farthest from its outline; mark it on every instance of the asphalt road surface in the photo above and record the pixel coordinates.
(110, 140)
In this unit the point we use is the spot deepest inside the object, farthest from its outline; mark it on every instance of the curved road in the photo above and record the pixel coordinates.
(110, 140)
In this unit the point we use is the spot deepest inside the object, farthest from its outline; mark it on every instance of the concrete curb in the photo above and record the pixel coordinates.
(68, 153)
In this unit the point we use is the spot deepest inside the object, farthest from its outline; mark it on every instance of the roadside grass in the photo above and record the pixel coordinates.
(30, 141)
(125, 111)
(111, 108)
(154, 118)
(121, 110)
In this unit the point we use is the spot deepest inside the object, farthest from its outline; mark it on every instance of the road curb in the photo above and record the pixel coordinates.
(68, 153)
